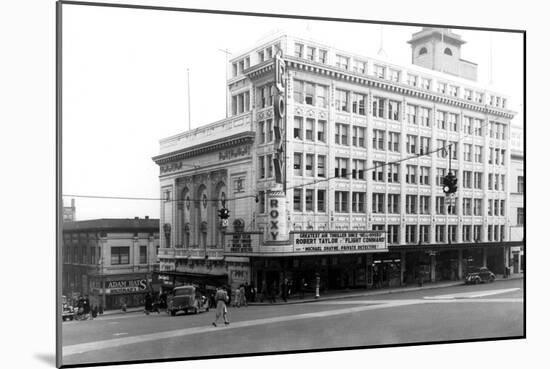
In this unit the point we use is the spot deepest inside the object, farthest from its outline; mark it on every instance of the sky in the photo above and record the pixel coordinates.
(125, 87)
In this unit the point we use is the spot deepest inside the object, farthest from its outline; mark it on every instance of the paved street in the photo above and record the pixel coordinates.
(451, 313)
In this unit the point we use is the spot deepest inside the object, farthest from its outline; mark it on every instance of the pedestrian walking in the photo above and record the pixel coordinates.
(221, 308)
(243, 296)
(284, 289)
(263, 291)
(252, 292)
(237, 301)
(148, 303)
(273, 292)
(247, 292)
(86, 306)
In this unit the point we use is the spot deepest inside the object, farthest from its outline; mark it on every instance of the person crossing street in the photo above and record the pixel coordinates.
(221, 307)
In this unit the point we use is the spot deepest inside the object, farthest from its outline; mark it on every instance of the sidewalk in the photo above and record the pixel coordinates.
(346, 294)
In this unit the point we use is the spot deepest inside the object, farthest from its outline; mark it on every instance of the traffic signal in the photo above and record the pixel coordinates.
(223, 213)
(449, 184)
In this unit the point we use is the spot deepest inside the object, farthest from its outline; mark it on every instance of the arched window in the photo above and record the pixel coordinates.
(423, 51)
(448, 51)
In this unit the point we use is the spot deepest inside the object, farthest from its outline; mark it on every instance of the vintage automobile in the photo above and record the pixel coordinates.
(479, 275)
(188, 299)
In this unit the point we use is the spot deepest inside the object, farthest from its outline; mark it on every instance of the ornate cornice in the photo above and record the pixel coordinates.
(219, 144)
(374, 82)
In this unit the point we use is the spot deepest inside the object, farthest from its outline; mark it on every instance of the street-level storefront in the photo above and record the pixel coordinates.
(206, 282)
(121, 289)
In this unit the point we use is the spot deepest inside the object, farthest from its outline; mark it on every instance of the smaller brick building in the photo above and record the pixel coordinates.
(111, 260)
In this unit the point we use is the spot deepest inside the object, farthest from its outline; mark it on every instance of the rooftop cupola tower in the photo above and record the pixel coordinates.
(439, 49)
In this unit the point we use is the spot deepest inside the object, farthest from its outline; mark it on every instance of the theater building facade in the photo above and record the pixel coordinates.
(328, 163)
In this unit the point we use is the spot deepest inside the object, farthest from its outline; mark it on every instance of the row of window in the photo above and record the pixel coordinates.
(310, 53)
(240, 103)
(420, 233)
(119, 255)
(311, 127)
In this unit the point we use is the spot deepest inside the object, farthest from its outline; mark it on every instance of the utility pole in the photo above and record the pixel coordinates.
(227, 53)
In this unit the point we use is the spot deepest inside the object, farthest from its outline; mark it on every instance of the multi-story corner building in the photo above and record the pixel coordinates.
(517, 201)
(111, 260)
(323, 152)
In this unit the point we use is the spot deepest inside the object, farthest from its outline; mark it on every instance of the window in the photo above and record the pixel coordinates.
(477, 233)
(378, 202)
(467, 152)
(321, 98)
(321, 166)
(321, 199)
(341, 134)
(378, 171)
(262, 166)
(359, 66)
(452, 232)
(393, 110)
(424, 178)
(521, 184)
(502, 207)
(340, 201)
(426, 83)
(393, 141)
(423, 51)
(424, 116)
(341, 100)
(261, 198)
(298, 50)
(491, 155)
(309, 165)
(490, 181)
(441, 172)
(240, 103)
(466, 233)
(297, 164)
(235, 70)
(166, 196)
(441, 87)
(411, 174)
(441, 118)
(143, 254)
(411, 204)
(299, 91)
(467, 125)
(358, 137)
(309, 93)
(120, 255)
(322, 56)
(269, 166)
(477, 180)
(269, 128)
(440, 233)
(520, 216)
(448, 51)
(442, 150)
(310, 53)
(309, 200)
(393, 233)
(380, 71)
(412, 80)
(477, 127)
(424, 145)
(489, 233)
(309, 129)
(411, 144)
(261, 131)
(378, 107)
(378, 139)
(321, 130)
(393, 203)
(453, 90)
(424, 236)
(424, 205)
(358, 171)
(466, 206)
(412, 113)
(502, 182)
(454, 153)
(395, 75)
(453, 118)
(440, 205)
(341, 167)
(477, 153)
(358, 104)
(468, 94)
(268, 53)
(393, 173)
(358, 202)
(342, 62)
(297, 199)
(298, 121)
(490, 207)
(410, 233)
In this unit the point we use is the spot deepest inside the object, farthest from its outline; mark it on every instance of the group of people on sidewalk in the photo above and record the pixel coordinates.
(84, 311)
(286, 289)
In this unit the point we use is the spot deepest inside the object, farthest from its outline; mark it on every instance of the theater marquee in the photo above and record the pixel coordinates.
(339, 241)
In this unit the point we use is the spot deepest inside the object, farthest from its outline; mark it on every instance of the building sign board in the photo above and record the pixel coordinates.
(339, 241)
(127, 286)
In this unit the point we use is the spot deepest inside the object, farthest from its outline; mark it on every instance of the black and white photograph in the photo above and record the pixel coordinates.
(247, 183)
(310, 185)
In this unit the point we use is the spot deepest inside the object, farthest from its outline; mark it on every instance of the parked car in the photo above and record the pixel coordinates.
(188, 299)
(479, 275)
(68, 312)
